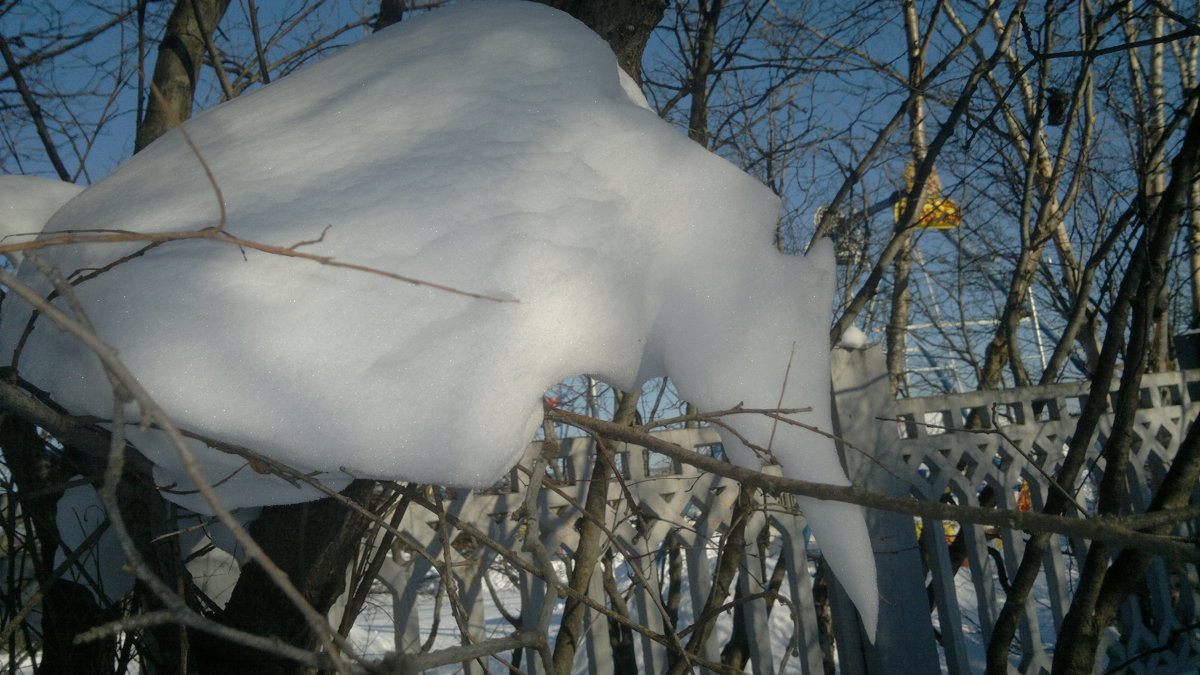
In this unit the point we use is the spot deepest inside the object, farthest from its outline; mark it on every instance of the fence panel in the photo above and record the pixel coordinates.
(941, 585)
(679, 511)
(921, 447)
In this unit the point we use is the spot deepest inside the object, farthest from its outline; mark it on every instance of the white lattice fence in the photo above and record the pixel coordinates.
(677, 507)
(939, 595)
(1007, 465)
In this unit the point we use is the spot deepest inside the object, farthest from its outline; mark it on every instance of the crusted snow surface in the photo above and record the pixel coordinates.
(491, 147)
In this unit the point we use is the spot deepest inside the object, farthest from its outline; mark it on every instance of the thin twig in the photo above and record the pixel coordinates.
(787, 372)
(65, 237)
(35, 110)
(271, 645)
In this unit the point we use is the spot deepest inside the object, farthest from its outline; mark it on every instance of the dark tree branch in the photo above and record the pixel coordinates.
(624, 24)
(35, 110)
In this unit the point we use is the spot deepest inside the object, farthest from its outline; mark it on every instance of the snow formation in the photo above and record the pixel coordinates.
(27, 202)
(853, 338)
(491, 147)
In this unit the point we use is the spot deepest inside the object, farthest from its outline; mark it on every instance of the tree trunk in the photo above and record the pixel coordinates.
(68, 608)
(620, 636)
(1193, 247)
(728, 560)
(71, 608)
(390, 12)
(591, 547)
(897, 327)
(702, 66)
(1003, 349)
(624, 24)
(180, 56)
(1093, 606)
(313, 544)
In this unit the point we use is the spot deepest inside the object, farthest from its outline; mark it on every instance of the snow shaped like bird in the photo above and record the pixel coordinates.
(491, 147)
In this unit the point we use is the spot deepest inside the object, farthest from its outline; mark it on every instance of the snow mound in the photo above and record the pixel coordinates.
(853, 338)
(27, 202)
(491, 147)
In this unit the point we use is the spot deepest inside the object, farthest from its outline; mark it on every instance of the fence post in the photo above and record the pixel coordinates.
(645, 609)
(402, 579)
(596, 640)
(791, 528)
(905, 640)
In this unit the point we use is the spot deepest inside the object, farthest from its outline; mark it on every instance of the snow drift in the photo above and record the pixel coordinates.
(492, 147)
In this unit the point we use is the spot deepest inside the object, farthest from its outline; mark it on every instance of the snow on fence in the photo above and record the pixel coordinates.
(938, 596)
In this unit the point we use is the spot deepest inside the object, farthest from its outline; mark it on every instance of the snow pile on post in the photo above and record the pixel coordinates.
(490, 147)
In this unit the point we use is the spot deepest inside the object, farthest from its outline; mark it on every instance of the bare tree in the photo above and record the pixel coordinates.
(1067, 139)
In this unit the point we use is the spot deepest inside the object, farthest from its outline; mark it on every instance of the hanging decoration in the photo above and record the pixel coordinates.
(939, 213)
